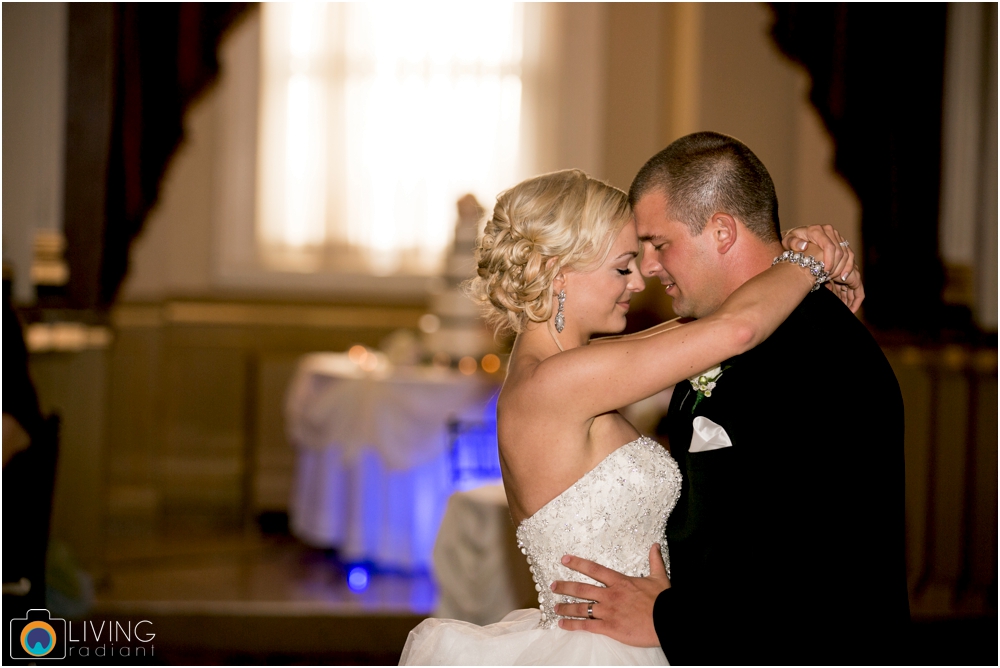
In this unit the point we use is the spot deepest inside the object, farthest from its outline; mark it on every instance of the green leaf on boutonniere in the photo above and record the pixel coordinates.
(704, 383)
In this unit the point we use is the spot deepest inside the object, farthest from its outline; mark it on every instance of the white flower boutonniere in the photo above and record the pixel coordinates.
(704, 383)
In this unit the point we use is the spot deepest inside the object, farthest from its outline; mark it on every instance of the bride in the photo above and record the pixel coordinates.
(557, 263)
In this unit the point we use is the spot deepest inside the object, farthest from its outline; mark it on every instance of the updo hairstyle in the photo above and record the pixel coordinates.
(564, 215)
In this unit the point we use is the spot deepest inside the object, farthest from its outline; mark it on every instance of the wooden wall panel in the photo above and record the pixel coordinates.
(75, 386)
(196, 406)
(274, 455)
(950, 397)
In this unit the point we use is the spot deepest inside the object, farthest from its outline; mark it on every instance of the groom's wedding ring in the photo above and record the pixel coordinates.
(844, 244)
(590, 610)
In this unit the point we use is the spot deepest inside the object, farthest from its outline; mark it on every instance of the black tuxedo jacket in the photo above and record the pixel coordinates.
(787, 546)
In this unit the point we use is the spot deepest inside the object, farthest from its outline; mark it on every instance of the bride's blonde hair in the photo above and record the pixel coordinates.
(564, 215)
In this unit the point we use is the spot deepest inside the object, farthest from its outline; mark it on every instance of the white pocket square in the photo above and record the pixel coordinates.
(708, 436)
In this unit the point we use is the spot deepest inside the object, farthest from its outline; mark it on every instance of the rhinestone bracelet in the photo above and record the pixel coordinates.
(815, 267)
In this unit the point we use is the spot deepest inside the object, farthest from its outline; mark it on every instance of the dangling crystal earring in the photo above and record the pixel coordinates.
(560, 318)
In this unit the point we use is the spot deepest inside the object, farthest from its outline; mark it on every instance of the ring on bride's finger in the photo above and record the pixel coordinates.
(845, 244)
(590, 610)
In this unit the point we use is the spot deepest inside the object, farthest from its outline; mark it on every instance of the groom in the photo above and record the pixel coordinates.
(786, 546)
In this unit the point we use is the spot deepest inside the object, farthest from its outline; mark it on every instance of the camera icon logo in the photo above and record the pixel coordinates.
(38, 636)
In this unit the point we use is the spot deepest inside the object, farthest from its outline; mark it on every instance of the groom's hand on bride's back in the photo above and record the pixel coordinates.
(622, 609)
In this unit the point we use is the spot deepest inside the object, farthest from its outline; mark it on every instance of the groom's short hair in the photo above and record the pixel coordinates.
(708, 172)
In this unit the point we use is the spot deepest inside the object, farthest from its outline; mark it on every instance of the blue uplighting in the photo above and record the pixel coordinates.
(358, 578)
(475, 459)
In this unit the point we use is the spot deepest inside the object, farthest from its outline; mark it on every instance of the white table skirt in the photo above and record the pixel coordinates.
(367, 511)
(480, 572)
(373, 471)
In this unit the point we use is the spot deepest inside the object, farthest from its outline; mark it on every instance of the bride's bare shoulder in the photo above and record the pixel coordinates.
(516, 395)
(527, 400)
(528, 386)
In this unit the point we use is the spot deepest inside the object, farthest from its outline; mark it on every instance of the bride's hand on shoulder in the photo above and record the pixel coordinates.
(837, 256)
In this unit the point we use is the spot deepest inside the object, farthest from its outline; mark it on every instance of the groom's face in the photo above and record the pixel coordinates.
(685, 264)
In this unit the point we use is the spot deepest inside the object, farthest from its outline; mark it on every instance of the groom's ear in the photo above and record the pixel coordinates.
(724, 230)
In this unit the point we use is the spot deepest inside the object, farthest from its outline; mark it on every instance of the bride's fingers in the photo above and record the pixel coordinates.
(845, 263)
(826, 242)
(794, 239)
(849, 265)
(841, 252)
(854, 289)
(844, 259)
(857, 297)
(851, 278)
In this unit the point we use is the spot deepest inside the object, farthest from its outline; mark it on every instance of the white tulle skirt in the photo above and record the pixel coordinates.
(516, 640)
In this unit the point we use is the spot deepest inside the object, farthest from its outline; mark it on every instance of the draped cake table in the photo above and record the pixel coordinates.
(373, 467)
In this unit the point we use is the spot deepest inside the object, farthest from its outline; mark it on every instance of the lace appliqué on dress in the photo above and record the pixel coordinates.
(611, 516)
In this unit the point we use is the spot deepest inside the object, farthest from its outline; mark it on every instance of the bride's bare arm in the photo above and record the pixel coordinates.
(591, 380)
(835, 252)
(656, 329)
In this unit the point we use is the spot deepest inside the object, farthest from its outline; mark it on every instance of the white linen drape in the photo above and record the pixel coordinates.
(373, 456)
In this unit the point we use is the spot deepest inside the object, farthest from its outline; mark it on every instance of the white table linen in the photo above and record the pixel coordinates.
(481, 574)
(400, 413)
(373, 469)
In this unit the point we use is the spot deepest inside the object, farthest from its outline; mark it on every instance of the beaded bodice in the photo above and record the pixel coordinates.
(612, 515)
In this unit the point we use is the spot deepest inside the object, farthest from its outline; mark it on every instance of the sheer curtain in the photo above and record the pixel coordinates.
(375, 119)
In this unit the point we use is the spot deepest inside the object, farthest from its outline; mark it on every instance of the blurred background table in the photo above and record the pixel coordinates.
(480, 571)
(374, 467)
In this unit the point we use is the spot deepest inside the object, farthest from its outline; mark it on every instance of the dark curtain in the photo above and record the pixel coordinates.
(165, 55)
(877, 81)
(133, 68)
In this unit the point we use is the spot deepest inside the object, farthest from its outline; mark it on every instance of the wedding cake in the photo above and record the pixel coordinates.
(454, 326)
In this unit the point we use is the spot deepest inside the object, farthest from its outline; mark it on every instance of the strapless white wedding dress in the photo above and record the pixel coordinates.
(612, 515)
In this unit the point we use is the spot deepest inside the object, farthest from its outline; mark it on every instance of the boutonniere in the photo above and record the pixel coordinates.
(704, 383)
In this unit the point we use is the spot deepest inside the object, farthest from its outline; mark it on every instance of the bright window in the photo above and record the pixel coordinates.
(375, 119)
